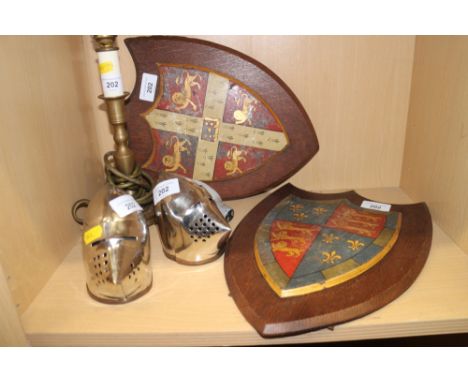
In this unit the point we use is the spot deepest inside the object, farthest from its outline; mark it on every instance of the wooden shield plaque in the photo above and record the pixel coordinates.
(301, 261)
(210, 113)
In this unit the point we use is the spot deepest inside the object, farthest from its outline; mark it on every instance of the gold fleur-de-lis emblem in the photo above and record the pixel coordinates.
(319, 210)
(296, 207)
(330, 257)
(355, 244)
(300, 215)
(329, 238)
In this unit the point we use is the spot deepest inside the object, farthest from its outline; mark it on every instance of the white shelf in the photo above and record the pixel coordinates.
(191, 305)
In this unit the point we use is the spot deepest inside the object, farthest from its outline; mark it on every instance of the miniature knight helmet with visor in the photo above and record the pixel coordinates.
(116, 249)
(191, 218)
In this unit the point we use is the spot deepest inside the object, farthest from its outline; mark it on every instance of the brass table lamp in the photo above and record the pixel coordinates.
(120, 167)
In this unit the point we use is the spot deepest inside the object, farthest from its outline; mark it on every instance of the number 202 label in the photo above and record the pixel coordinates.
(148, 87)
(112, 86)
(165, 189)
(376, 206)
(124, 205)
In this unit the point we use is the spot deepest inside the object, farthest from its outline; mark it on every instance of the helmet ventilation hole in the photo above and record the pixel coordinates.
(202, 228)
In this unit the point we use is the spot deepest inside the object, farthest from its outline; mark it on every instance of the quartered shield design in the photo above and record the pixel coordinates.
(302, 261)
(303, 246)
(209, 127)
(213, 114)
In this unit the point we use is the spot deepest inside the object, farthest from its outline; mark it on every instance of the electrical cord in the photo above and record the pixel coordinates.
(139, 184)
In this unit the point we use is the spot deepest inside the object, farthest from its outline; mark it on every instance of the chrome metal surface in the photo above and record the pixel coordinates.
(191, 226)
(116, 251)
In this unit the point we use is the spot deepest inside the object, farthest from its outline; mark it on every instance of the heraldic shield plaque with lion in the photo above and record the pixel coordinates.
(215, 115)
(304, 246)
(301, 261)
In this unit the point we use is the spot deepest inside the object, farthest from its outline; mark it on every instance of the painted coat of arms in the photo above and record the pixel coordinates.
(303, 246)
(210, 127)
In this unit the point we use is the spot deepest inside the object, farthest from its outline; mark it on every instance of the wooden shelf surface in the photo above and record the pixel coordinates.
(191, 305)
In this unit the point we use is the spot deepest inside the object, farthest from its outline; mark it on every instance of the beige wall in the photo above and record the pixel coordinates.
(436, 153)
(48, 156)
(355, 90)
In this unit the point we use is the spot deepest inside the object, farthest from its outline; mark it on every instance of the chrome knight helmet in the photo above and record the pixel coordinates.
(116, 250)
(191, 218)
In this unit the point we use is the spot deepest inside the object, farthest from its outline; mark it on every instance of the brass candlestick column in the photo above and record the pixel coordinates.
(124, 158)
(121, 169)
